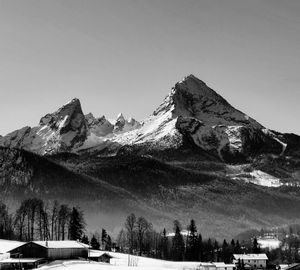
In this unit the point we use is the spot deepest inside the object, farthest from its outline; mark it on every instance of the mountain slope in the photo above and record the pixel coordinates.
(195, 157)
(192, 112)
(108, 189)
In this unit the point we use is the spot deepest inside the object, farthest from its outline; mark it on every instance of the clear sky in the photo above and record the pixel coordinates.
(125, 55)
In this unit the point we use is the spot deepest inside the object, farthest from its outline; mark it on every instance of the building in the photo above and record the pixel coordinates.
(51, 250)
(20, 263)
(217, 266)
(99, 256)
(251, 261)
(5, 247)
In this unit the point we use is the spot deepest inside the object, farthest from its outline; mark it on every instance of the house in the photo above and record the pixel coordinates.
(51, 250)
(99, 256)
(251, 261)
(217, 266)
(20, 263)
(5, 247)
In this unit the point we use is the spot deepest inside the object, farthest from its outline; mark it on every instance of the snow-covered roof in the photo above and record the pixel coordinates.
(261, 256)
(217, 264)
(93, 253)
(21, 260)
(206, 264)
(61, 244)
(7, 245)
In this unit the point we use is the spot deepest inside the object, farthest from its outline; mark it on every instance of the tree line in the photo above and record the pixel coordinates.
(35, 220)
(138, 237)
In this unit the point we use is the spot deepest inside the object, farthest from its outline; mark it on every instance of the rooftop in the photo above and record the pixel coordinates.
(7, 245)
(261, 256)
(61, 244)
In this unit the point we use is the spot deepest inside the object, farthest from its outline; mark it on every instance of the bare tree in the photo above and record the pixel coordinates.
(63, 219)
(130, 228)
(142, 226)
(121, 240)
(6, 226)
(54, 221)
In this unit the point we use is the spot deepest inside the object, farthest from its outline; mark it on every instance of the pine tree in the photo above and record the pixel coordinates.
(108, 244)
(192, 243)
(103, 238)
(210, 250)
(225, 252)
(76, 224)
(94, 243)
(216, 251)
(85, 239)
(255, 246)
(177, 243)
(237, 249)
(200, 248)
(164, 245)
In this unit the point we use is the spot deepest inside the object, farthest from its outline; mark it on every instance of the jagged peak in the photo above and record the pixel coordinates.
(120, 117)
(193, 85)
(191, 77)
(71, 109)
(73, 101)
(191, 97)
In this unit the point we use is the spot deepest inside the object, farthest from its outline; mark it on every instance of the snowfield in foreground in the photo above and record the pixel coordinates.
(119, 262)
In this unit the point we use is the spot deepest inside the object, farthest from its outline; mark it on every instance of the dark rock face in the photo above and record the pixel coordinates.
(99, 126)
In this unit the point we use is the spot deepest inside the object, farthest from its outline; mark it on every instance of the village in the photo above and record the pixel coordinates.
(70, 254)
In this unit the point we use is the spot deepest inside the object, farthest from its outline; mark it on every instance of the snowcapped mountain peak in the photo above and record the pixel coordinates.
(71, 112)
(193, 85)
(120, 117)
(124, 125)
(191, 112)
(191, 97)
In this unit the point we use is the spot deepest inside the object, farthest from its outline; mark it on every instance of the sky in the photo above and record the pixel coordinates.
(126, 55)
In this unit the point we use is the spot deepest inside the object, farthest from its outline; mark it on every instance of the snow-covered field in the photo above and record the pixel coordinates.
(257, 177)
(120, 262)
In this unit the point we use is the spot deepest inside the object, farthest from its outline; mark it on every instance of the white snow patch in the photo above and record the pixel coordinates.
(270, 243)
(263, 179)
(284, 145)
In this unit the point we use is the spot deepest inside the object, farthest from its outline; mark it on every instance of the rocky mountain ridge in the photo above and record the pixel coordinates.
(192, 112)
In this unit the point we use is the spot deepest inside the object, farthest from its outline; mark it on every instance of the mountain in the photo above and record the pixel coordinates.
(195, 156)
(191, 114)
(66, 130)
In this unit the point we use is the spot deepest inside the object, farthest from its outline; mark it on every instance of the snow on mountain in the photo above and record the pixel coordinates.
(122, 125)
(99, 126)
(192, 111)
(63, 130)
